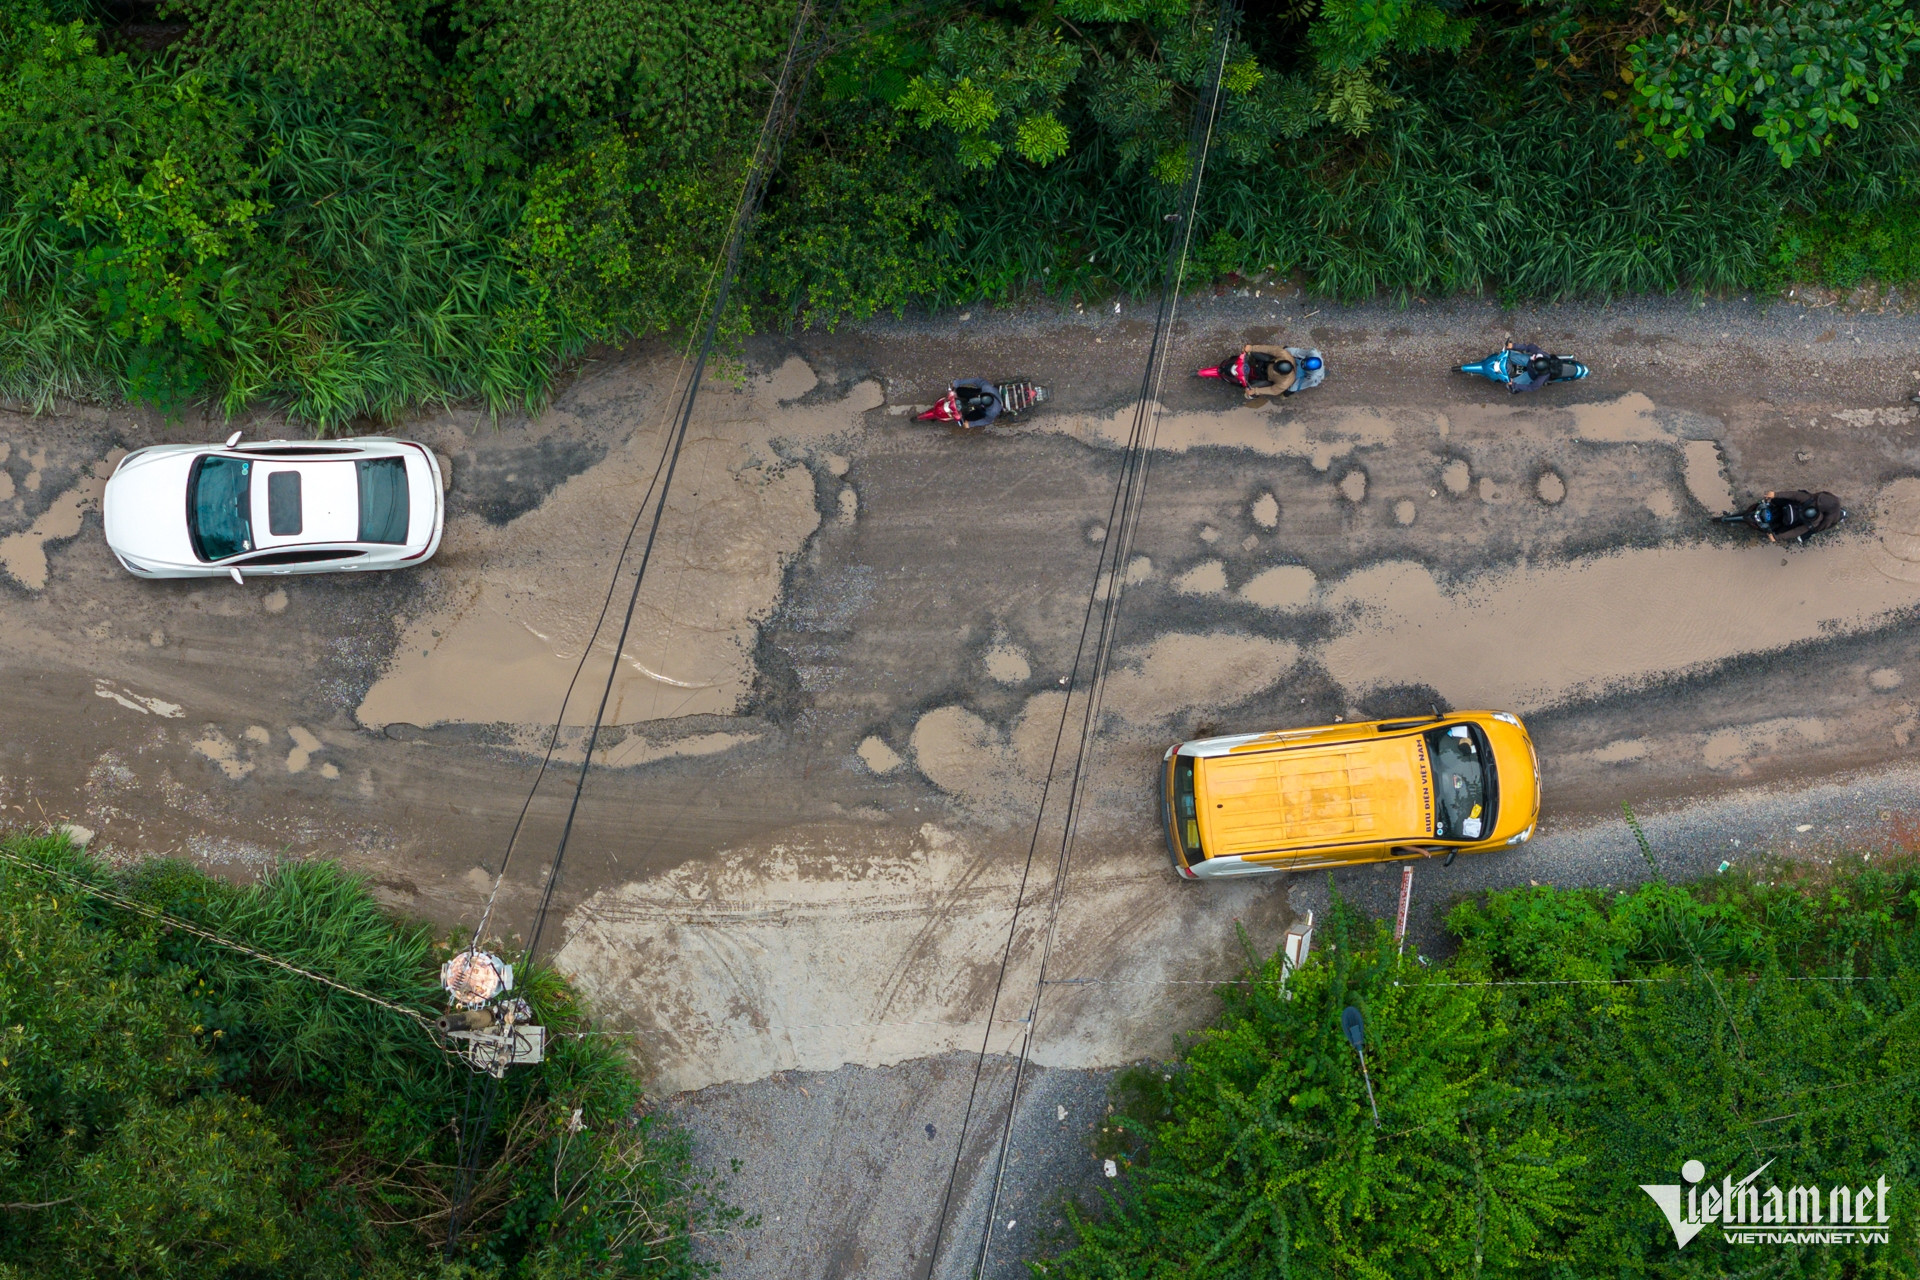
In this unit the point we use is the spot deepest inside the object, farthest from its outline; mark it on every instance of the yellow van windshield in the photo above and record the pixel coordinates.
(1186, 818)
(1463, 782)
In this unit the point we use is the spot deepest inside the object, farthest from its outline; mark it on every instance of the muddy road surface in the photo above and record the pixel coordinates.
(808, 827)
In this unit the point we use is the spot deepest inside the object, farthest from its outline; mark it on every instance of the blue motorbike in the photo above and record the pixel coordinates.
(1502, 367)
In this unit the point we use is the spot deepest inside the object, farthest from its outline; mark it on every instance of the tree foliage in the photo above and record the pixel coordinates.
(677, 72)
(993, 87)
(172, 1109)
(1351, 34)
(352, 210)
(346, 49)
(130, 197)
(1800, 71)
(1579, 1044)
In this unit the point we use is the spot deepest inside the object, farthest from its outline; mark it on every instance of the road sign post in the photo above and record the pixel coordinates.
(1400, 917)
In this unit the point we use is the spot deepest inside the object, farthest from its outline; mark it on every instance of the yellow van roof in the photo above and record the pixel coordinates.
(1375, 789)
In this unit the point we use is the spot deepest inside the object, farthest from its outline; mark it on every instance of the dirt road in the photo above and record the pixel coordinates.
(837, 707)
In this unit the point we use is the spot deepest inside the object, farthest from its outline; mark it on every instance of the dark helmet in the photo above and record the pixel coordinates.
(1312, 362)
(1283, 366)
(1539, 365)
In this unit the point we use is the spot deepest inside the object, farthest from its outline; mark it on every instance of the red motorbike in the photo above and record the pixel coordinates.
(1307, 367)
(975, 402)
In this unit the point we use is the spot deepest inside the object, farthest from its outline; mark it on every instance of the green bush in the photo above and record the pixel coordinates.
(850, 235)
(1843, 249)
(130, 198)
(171, 1108)
(1803, 69)
(1579, 1044)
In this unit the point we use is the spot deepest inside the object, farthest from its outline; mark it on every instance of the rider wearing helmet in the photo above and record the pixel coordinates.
(979, 399)
(1270, 371)
(1540, 369)
(1804, 513)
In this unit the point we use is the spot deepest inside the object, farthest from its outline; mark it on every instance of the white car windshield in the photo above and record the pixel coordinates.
(219, 509)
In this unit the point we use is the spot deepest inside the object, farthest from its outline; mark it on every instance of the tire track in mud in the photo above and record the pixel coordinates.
(726, 962)
(923, 943)
(931, 904)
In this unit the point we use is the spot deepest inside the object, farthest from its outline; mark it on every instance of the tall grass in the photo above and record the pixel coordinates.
(396, 260)
(1466, 187)
(395, 288)
(1457, 190)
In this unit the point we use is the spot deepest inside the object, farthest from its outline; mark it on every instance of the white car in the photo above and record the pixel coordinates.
(274, 506)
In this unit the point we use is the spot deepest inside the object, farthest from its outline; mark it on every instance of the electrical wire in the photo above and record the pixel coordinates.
(720, 261)
(187, 926)
(606, 606)
(1103, 578)
(1152, 394)
(828, 43)
(781, 111)
(1109, 586)
(779, 120)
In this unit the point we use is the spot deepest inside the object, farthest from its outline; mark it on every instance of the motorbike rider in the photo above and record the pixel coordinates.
(1540, 369)
(979, 399)
(1270, 371)
(1808, 513)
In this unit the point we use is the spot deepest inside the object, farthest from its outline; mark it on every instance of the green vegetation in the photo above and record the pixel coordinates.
(352, 209)
(1733, 1023)
(170, 1108)
(1802, 69)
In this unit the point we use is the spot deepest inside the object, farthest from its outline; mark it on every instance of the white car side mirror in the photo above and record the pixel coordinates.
(233, 440)
(234, 573)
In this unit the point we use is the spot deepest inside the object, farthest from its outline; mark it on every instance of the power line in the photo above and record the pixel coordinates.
(781, 110)
(828, 42)
(780, 116)
(606, 606)
(186, 926)
(720, 261)
(1153, 384)
(1109, 582)
(1110, 579)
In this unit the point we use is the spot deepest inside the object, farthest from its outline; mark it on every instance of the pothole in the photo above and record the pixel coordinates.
(1707, 476)
(1896, 519)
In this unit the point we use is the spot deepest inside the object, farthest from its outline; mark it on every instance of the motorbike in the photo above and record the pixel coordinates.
(1774, 515)
(1309, 369)
(1502, 366)
(1015, 397)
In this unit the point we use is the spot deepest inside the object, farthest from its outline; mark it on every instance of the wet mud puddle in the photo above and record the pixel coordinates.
(506, 643)
(1530, 637)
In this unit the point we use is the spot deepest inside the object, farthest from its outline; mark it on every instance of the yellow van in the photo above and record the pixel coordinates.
(1373, 791)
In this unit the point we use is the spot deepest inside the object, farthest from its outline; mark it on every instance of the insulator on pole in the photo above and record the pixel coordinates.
(474, 977)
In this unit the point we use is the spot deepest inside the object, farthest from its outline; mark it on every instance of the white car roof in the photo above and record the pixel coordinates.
(326, 499)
